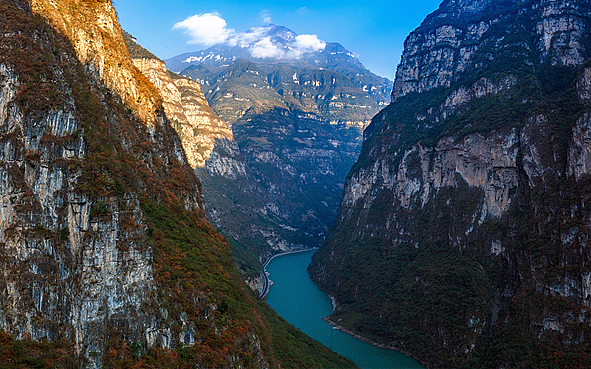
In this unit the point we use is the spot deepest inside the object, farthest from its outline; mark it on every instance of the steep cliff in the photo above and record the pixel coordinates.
(253, 174)
(197, 125)
(101, 50)
(462, 234)
(105, 253)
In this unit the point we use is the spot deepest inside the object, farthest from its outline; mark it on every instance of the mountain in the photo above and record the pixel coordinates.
(106, 256)
(296, 107)
(291, 70)
(462, 234)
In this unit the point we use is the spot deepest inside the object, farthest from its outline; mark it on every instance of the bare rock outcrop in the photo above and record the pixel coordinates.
(185, 105)
(466, 215)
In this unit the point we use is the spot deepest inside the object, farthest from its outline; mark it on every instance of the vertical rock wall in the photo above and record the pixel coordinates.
(465, 218)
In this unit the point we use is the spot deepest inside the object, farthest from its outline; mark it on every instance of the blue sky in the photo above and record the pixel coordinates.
(374, 30)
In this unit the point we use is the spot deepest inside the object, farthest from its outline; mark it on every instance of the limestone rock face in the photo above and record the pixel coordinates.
(489, 163)
(444, 47)
(78, 170)
(468, 209)
(184, 103)
(72, 262)
(584, 85)
(102, 50)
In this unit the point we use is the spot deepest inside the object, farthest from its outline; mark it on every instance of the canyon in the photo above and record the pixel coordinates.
(136, 200)
(272, 177)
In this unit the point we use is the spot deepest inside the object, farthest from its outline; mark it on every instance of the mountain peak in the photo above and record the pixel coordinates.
(276, 42)
(268, 30)
(265, 43)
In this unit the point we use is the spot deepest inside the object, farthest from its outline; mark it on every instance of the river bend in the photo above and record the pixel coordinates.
(299, 301)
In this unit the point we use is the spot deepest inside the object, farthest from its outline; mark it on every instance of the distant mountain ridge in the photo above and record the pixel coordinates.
(298, 71)
(280, 43)
(297, 107)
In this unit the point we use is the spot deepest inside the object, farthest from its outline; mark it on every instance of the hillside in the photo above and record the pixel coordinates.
(274, 184)
(462, 234)
(107, 258)
(322, 78)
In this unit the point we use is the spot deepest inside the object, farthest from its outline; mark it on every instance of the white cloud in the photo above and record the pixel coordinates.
(266, 49)
(205, 29)
(307, 44)
(266, 17)
(210, 29)
(245, 39)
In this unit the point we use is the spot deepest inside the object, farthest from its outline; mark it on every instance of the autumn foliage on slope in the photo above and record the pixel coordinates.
(129, 159)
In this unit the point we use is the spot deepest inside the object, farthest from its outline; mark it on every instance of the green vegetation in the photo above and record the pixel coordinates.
(125, 163)
(425, 278)
(424, 283)
(58, 354)
(547, 91)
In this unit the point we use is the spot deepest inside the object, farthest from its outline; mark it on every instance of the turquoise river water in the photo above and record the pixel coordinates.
(299, 301)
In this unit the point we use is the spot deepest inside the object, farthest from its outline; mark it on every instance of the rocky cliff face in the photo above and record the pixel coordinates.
(103, 240)
(458, 37)
(196, 123)
(101, 49)
(253, 174)
(76, 259)
(464, 219)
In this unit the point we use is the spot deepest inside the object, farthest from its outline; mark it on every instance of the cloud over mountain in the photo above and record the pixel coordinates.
(262, 42)
(266, 47)
(205, 29)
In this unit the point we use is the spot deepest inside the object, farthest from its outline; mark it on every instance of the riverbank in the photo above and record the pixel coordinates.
(367, 340)
(299, 301)
(264, 274)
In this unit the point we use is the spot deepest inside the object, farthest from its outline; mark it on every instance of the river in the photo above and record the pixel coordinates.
(299, 301)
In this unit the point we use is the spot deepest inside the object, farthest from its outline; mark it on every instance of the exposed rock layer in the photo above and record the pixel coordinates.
(465, 218)
(196, 123)
(103, 237)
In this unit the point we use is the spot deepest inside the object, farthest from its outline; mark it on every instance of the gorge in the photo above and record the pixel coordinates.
(106, 256)
(136, 200)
